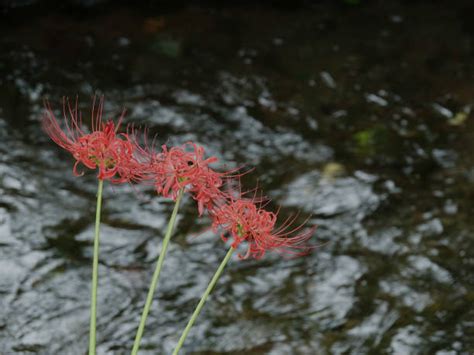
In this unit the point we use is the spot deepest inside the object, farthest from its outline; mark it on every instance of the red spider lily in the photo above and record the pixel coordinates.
(112, 153)
(246, 220)
(186, 167)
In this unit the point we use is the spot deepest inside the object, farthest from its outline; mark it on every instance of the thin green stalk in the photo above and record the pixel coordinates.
(95, 270)
(203, 300)
(156, 275)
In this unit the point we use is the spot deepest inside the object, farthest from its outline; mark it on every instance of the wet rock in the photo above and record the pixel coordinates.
(331, 292)
(406, 341)
(329, 198)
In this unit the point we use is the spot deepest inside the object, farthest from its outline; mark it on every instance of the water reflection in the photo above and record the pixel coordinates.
(343, 112)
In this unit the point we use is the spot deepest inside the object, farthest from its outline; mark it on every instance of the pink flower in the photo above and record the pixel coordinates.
(112, 153)
(246, 221)
(185, 167)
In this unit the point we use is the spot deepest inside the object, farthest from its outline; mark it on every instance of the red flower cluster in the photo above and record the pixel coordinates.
(119, 158)
(103, 149)
(185, 167)
(246, 220)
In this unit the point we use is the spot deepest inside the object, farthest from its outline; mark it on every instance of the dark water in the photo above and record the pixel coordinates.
(358, 114)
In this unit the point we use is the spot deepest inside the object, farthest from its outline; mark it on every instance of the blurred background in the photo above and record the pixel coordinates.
(357, 112)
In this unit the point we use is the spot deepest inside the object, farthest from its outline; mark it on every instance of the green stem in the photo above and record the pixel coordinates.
(156, 274)
(203, 300)
(95, 269)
